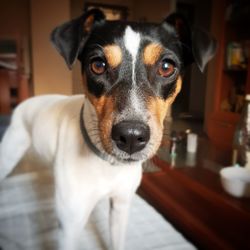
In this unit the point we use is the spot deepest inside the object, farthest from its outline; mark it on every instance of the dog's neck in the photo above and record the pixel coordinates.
(89, 130)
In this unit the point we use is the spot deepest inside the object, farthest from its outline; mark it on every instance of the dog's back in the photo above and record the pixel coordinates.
(35, 123)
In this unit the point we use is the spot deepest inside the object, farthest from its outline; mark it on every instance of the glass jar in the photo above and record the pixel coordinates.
(241, 142)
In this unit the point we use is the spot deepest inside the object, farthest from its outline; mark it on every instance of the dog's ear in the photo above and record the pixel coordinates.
(203, 47)
(70, 37)
(197, 45)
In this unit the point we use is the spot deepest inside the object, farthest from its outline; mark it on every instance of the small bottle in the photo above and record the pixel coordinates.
(241, 142)
(173, 148)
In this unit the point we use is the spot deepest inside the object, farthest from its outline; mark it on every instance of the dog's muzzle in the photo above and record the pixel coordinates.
(130, 136)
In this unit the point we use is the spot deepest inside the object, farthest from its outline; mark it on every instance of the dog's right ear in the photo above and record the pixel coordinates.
(70, 37)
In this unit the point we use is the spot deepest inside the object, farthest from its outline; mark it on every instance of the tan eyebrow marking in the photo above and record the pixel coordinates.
(152, 53)
(159, 107)
(113, 55)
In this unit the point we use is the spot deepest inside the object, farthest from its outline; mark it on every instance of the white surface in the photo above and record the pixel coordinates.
(236, 181)
(28, 221)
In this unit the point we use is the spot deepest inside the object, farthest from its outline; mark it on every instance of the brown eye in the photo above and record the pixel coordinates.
(166, 68)
(98, 66)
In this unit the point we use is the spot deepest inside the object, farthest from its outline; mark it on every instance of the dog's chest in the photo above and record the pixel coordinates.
(102, 179)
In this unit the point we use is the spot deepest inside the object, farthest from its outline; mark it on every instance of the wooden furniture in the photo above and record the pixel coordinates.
(14, 82)
(14, 88)
(193, 199)
(232, 83)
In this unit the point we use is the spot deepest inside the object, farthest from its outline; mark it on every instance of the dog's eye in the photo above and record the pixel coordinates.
(98, 66)
(166, 69)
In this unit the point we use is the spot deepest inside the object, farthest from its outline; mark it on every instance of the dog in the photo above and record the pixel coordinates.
(97, 142)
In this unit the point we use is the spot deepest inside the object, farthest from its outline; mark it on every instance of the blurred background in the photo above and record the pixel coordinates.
(34, 67)
(29, 65)
(210, 103)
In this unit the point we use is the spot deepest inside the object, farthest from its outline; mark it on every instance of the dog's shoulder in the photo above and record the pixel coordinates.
(48, 102)
(48, 108)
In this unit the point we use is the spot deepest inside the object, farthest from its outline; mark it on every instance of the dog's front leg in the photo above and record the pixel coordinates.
(119, 209)
(73, 214)
(70, 235)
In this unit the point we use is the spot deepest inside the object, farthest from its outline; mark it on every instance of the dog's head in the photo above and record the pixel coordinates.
(132, 72)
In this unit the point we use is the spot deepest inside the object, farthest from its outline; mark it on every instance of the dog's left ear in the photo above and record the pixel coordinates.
(197, 45)
(70, 37)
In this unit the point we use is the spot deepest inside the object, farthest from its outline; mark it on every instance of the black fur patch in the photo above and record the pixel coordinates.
(148, 80)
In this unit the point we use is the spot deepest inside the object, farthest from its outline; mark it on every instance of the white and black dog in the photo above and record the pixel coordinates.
(97, 142)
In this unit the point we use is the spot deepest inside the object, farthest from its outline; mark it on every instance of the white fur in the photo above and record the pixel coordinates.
(50, 124)
(132, 42)
(136, 103)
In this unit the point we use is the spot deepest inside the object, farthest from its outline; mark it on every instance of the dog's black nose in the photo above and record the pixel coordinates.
(130, 136)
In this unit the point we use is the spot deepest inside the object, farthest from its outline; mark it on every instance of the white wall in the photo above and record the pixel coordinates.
(50, 73)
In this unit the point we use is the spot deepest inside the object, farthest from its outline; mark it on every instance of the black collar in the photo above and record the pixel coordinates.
(90, 144)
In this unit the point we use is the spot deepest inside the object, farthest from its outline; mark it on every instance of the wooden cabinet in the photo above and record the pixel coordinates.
(232, 78)
(14, 88)
(14, 80)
